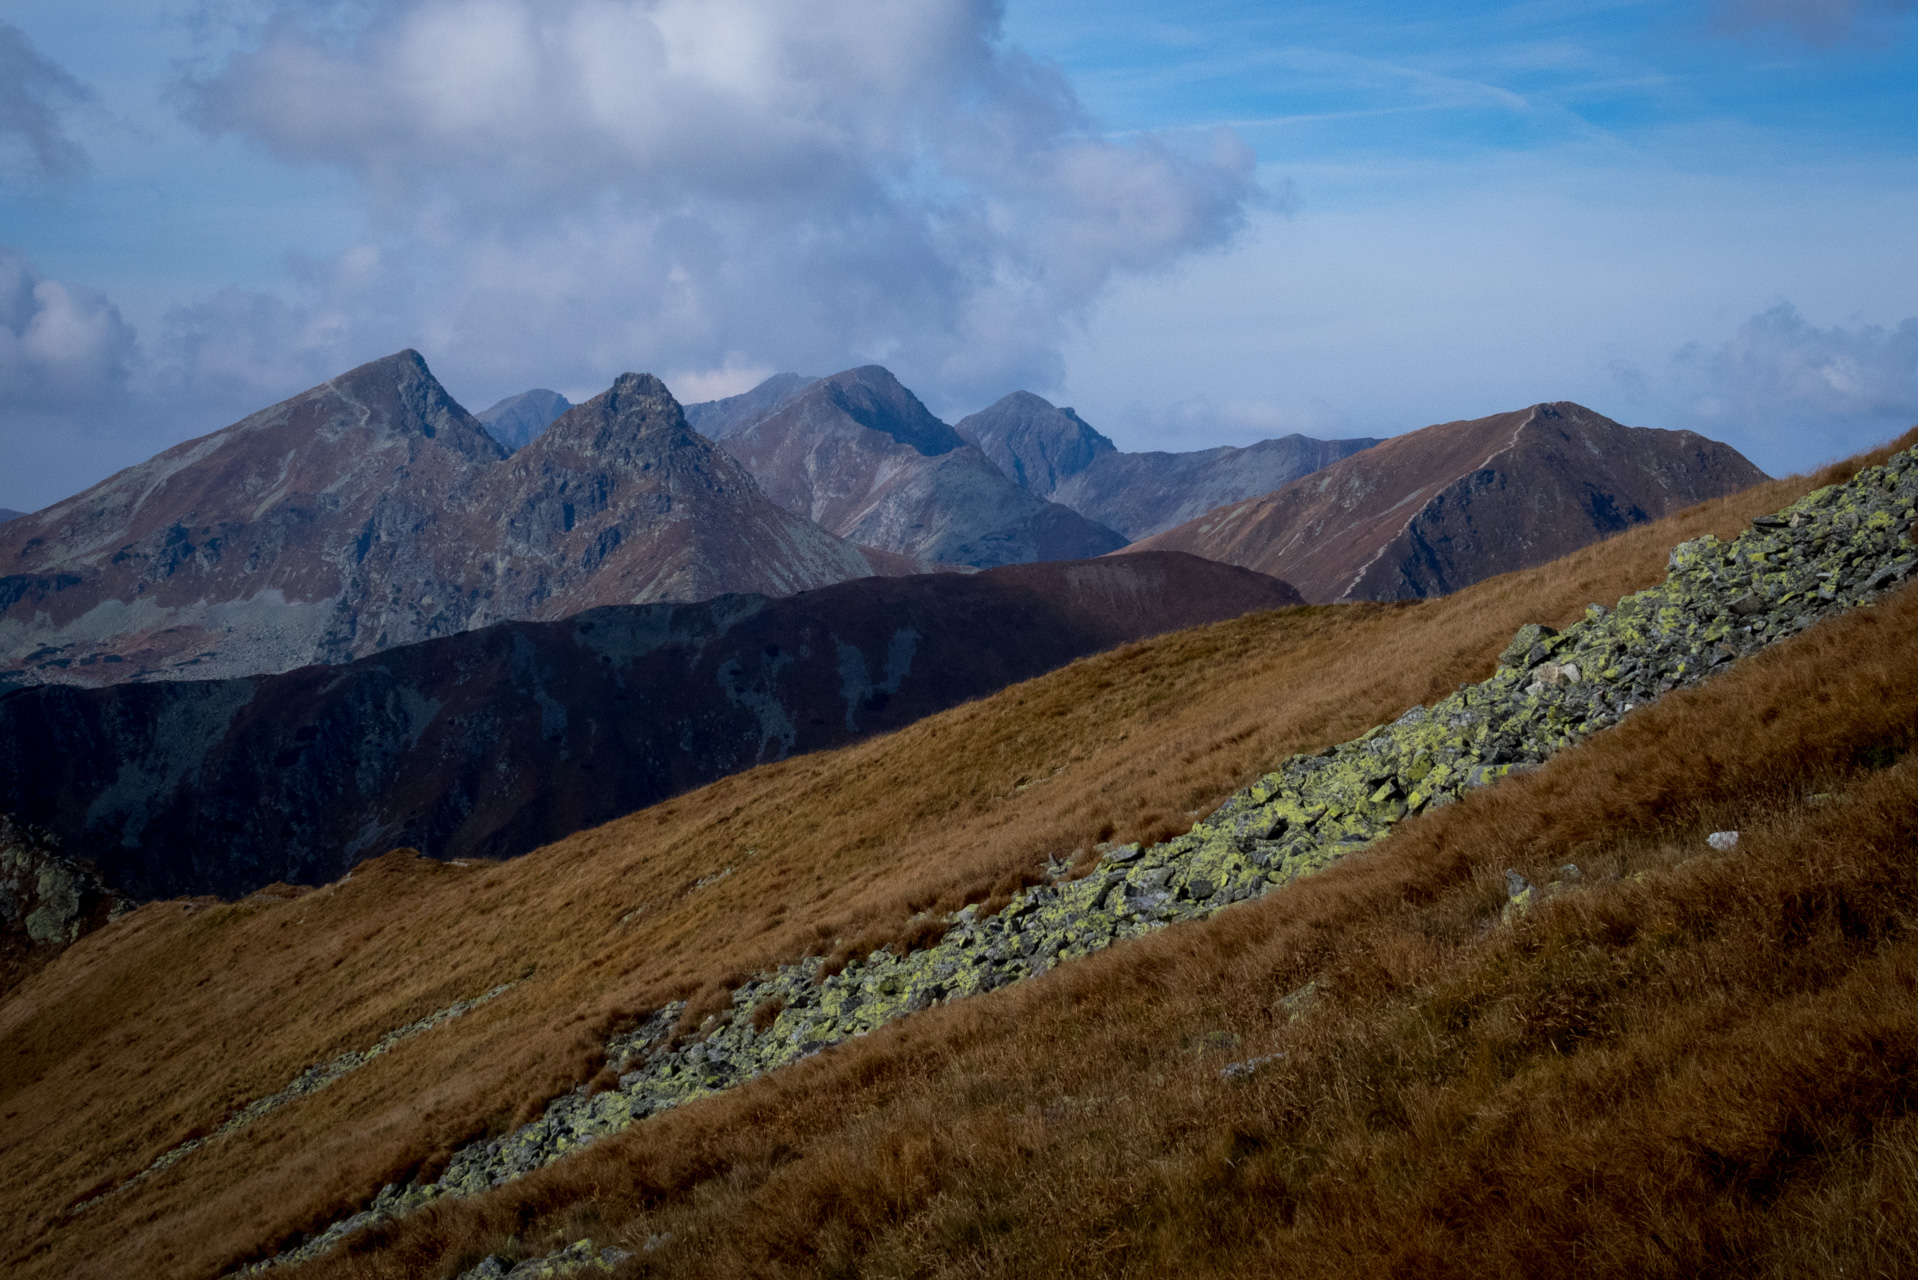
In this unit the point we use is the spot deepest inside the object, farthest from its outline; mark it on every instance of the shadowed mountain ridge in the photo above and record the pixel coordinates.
(492, 742)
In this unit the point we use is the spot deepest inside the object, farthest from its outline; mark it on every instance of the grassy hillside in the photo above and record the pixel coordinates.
(1074, 1124)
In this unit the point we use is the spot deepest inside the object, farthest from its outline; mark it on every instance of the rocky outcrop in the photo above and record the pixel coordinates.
(860, 455)
(1431, 511)
(519, 420)
(495, 741)
(1834, 549)
(47, 900)
(1053, 453)
(373, 511)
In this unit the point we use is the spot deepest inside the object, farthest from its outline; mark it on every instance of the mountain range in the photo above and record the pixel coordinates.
(1431, 511)
(1053, 453)
(494, 741)
(859, 454)
(373, 511)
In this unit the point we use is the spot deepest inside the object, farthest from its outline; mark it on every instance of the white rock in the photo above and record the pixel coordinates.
(1722, 841)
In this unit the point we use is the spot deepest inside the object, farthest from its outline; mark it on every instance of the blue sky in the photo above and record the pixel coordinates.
(1197, 224)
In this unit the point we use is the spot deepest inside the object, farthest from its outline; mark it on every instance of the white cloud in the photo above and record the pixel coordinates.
(569, 188)
(61, 346)
(1786, 391)
(33, 93)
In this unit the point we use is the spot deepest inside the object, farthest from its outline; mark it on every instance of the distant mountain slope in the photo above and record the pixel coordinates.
(1434, 510)
(372, 511)
(518, 420)
(1036, 443)
(860, 454)
(717, 419)
(8, 513)
(495, 741)
(1053, 453)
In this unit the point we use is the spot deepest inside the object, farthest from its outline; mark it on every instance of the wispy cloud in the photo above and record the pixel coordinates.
(34, 93)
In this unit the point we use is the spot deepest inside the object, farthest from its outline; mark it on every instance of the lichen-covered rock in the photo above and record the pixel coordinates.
(574, 1259)
(45, 897)
(1828, 552)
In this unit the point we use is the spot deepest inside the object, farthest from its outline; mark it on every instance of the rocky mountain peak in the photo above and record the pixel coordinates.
(398, 395)
(876, 400)
(717, 419)
(617, 425)
(519, 420)
(372, 511)
(1036, 443)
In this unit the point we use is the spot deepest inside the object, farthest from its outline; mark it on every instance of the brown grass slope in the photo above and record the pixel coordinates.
(192, 1010)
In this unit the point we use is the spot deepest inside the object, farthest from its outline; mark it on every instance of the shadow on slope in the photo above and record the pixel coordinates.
(492, 742)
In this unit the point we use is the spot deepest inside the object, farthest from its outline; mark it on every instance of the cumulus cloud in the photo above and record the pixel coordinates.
(68, 365)
(61, 346)
(1818, 22)
(33, 94)
(1786, 391)
(567, 188)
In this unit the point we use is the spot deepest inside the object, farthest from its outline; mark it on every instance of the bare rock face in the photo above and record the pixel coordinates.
(1053, 453)
(47, 900)
(859, 454)
(1034, 442)
(373, 511)
(518, 420)
(495, 741)
(1434, 510)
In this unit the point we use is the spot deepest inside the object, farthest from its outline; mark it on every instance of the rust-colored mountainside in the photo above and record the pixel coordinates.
(860, 454)
(373, 511)
(1435, 510)
(494, 741)
(1684, 1070)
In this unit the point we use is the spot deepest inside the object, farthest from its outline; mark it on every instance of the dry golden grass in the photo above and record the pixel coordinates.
(1696, 1063)
(159, 1026)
